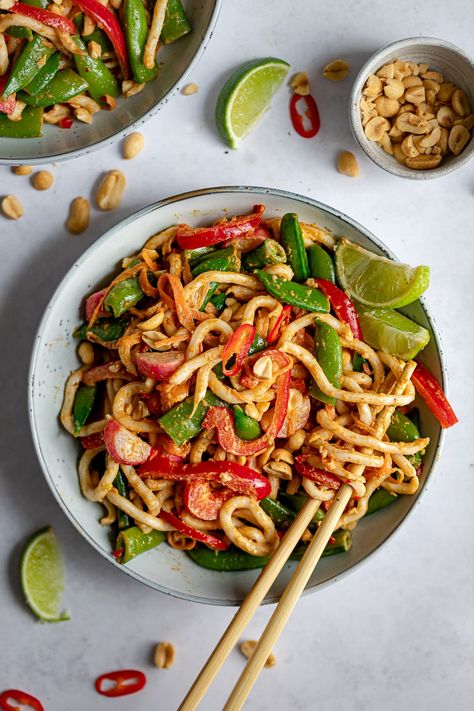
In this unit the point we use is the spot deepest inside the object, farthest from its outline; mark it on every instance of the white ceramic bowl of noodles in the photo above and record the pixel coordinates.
(176, 61)
(54, 357)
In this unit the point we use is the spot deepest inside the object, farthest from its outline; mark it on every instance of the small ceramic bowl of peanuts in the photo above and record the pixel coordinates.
(411, 108)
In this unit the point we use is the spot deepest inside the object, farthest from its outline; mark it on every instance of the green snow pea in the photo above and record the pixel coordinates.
(99, 78)
(403, 429)
(210, 293)
(176, 23)
(37, 3)
(28, 64)
(181, 425)
(120, 483)
(292, 240)
(297, 501)
(107, 329)
(29, 126)
(64, 86)
(269, 252)
(328, 353)
(280, 514)
(123, 296)
(222, 260)
(379, 500)
(320, 264)
(133, 542)
(219, 301)
(289, 292)
(45, 75)
(136, 32)
(83, 404)
(20, 32)
(245, 427)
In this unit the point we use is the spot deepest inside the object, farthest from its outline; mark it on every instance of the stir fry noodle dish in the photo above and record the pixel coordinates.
(233, 370)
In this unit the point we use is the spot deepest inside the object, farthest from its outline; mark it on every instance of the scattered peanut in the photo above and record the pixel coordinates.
(22, 169)
(79, 215)
(190, 89)
(300, 84)
(42, 180)
(133, 145)
(247, 648)
(336, 70)
(164, 655)
(110, 190)
(414, 114)
(347, 164)
(85, 352)
(12, 207)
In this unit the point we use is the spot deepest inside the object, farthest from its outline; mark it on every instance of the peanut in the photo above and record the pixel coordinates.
(133, 145)
(415, 95)
(247, 648)
(336, 70)
(408, 82)
(110, 190)
(458, 139)
(408, 147)
(373, 87)
(12, 207)
(300, 84)
(191, 89)
(411, 123)
(85, 352)
(347, 164)
(435, 76)
(394, 88)
(79, 216)
(42, 180)
(398, 153)
(386, 72)
(376, 127)
(164, 655)
(446, 117)
(386, 107)
(22, 169)
(460, 103)
(386, 144)
(422, 162)
(446, 90)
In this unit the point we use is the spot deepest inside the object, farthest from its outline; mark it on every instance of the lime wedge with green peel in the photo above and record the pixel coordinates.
(389, 331)
(376, 281)
(42, 576)
(246, 95)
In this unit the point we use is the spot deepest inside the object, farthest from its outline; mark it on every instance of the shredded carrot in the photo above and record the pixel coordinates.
(145, 285)
(178, 338)
(178, 302)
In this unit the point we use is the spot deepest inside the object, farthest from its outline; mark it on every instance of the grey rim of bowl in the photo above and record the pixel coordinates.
(59, 157)
(251, 190)
(353, 108)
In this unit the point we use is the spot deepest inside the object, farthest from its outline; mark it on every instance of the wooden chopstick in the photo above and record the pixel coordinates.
(288, 601)
(249, 606)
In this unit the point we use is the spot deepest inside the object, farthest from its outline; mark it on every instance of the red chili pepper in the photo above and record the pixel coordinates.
(118, 553)
(59, 22)
(66, 122)
(432, 393)
(20, 697)
(311, 113)
(127, 681)
(93, 441)
(236, 349)
(7, 105)
(153, 402)
(234, 476)
(342, 305)
(109, 23)
(188, 238)
(281, 321)
(211, 541)
(204, 502)
(320, 476)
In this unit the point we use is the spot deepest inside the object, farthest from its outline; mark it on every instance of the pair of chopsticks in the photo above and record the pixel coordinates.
(292, 592)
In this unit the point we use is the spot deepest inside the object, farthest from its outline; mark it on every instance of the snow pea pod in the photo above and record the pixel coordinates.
(293, 243)
(328, 353)
(181, 425)
(210, 293)
(219, 301)
(37, 3)
(281, 515)
(120, 483)
(20, 32)
(136, 31)
(245, 427)
(123, 296)
(28, 64)
(45, 75)
(107, 329)
(403, 429)
(297, 501)
(269, 252)
(29, 126)
(83, 404)
(64, 86)
(320, 264)
(132, 542)
(289, 292)
(341, 543)
(223, 260)
(176, 23)
(99, 78)
(379, 500)
(97, 35)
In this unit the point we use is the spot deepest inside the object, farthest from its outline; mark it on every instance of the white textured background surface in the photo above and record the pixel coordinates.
(398, 633)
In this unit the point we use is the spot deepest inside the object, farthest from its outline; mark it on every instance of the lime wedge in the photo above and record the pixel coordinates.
(389, 331)
(376, 281)
(246, 95)
(42, 576)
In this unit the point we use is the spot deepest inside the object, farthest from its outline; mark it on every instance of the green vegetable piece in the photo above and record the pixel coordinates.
(29, 126)
(297, 501)
(224, 260)
(357, 362)
(64, 86)
(83, 404)
(269, 252)
(219, 301)
(210, 293)
(37, 3)
(328, 353)
(27, 65)
(292, 241)
(133, 542)
(194, 256)
(136, 31)
(379, 500)
(99, 78)
(123, 296)
(342, 544)
(233, 559)
(414, 416)
(258, 344)
(123, 520)
(45, 75)
(402, 429)
(280, 514)
(321, 264)
(176, 23)
(107, 329)
(289, 292)
(245, 427)
(181, 425)
(20, 32)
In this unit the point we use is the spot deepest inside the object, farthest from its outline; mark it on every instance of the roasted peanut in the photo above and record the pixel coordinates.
(446, 117)
(424, 162)
(79, 216)
(164, 655)
(133, 145)
(446, 90)
(408, 147)
(373, 87)
(443, 141)
(347, 164)
(386, 144)
(408, 82)
(85, 352)
(458, 139)
(12, 207)
(386, 107)
(467, 122)
(110, 190)
(300, 84)
(396, 136)
(42, 180)
(415, 95)
(394, 88)
(386, 72)
(435, 76)
(190, 89)
(22, 169)
(336, 70)
(425, 111)
(411, 123)
(376, 127)
(398, 153)
(406, 109)
(247, 648)
(460, 103)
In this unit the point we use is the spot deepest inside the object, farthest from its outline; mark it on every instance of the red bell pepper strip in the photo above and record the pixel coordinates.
(311, 112)
(109, 23)
(234, 476)
(211, 541)
(59, 22)
(20, 697)
(236, 349)
(432, 393)
(204, 502)
(320, 476)
(189, 238)
(7, 105)
(93, 441)
(280, 323)
(342, 305)
(126, 681)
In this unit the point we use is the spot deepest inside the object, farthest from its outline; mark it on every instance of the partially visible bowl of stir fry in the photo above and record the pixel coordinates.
(217, 358)
(75, 74)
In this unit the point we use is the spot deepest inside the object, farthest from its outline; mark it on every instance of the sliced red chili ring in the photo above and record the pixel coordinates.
(236, 349)
(20, 697)
(125, 681)
(281, 321)
(311, 113)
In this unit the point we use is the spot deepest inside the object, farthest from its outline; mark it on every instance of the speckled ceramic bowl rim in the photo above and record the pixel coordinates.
(377, 59)
(59, 157)
(109, 235)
